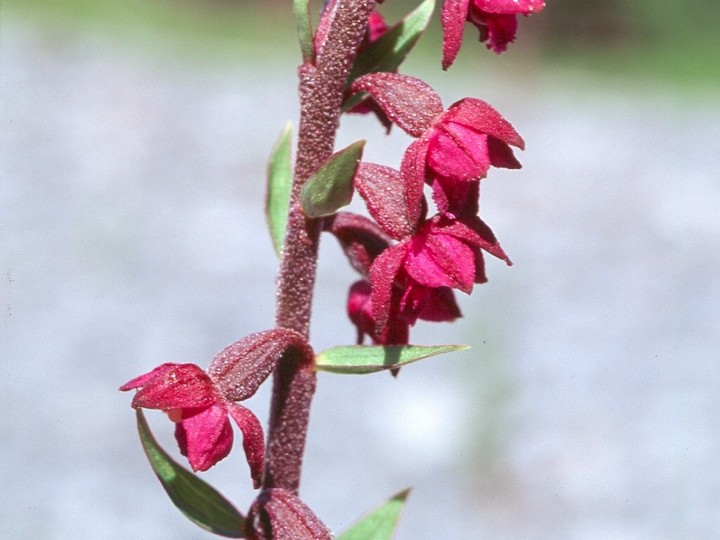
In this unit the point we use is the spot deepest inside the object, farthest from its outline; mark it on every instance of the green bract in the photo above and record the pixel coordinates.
(380, 523)
(279, 187)
(304, 30)
(195, 498)
(361, 359)
(331, 187)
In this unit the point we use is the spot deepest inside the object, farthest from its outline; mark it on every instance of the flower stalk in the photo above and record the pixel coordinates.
(321, 94)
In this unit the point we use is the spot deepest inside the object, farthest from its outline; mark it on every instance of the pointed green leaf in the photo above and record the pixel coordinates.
(360, 359)
(388, 52)
(331, 187)
(380, 523)
(195, 498)
(277, 200)
(304, 30)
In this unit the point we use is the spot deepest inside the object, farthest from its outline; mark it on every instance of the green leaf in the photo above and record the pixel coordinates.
(277, 200)
(380, 523)
(360, 359)
(195, 498)
(331, 187)
(304, 30)
(388, 52)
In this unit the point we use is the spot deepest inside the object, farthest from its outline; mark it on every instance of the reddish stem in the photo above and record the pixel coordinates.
(321, 92)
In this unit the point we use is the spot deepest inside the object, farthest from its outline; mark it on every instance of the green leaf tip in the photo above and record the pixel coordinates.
(379, 524)
(277, 200)
(304, 29)
(331, 187)
(390, 50)
(362, 359)
(199, 501)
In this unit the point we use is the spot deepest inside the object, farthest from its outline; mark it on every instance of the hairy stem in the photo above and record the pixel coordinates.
(321, 91)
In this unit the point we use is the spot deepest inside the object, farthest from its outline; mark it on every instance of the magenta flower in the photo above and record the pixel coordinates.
(414, 278)
(453, 146)
(408, 302)
(200, 411)
(360, 312)
(458, 149)
(495, 19)
(376, 29)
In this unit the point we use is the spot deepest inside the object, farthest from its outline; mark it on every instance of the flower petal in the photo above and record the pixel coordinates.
(440, 260)
(483, 118)
(498, 30)
(173, 386)
(413, 169)
(407, 101)
(524, 7)
(359, 309)
(382, 280)
(360, 238)
(501, 155)
(205, 436)
(458, 152)
(384, 191)
(486, 239)
(432, 304)
(253, 440)
(240, 368)
(454, 14)
(142, 380)
(459, 199)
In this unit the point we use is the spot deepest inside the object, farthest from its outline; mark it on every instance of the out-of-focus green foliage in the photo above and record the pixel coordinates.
(674, 39)
(242, 30)
(670, 39)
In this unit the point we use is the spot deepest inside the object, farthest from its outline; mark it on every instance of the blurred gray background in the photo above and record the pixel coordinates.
(133, 142)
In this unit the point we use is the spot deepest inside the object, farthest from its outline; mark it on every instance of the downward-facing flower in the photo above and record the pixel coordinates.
(413, 278)
(202, 403)
(453, 146)
(407, 302)
(360, 312)
(495, 19)
(458, 149)
(201, 415)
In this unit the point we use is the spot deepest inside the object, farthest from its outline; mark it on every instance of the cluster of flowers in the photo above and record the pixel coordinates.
(454, 149)
(414, 277)
(410, 262)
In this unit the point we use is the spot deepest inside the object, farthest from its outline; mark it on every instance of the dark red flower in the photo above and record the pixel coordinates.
(453, 147)
(495, 19)
(200, 411)
(414, 278)
(458, 150)
(360, 312)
